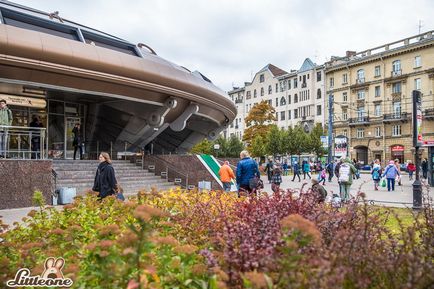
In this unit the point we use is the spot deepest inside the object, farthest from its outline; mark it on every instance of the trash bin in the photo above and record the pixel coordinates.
(204, 185)
(66, 195)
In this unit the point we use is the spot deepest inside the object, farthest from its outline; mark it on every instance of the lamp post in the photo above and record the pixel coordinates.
(417, 139)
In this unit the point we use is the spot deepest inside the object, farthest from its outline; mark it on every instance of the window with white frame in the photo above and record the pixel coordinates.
(254, 93)
(378, 131)
(344, 78)
(396, 67)
(417, 62)
(345, 132)
(318, 93)
(332, 82)
(262, 91)
(361, 94)
(396, 109)
(360, 76)
(289, 114)
(270, 89)
(377, 71)
(277, 87)
(396, 130)
(318, 76)
(261, 78)
(417, 84)
(377, 109)
(318, 110)
(282, 115)
(396, 87)
(282, 101)
(360, 133)
(344, 114)
(289, 84)
(361, 113)
(344, 96)
(377, 91)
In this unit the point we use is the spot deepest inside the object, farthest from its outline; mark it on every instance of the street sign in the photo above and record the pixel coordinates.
(325, 141)
(428, 142)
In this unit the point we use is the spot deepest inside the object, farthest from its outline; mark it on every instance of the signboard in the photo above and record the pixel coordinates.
(428, 142)
(24, 101)
(397, 148)
(341, 146)
(417, 118)
(325, 141)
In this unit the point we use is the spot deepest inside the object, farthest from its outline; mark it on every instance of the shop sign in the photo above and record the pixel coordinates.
(24, 101)
(397, 148)
(428, 142)
(341, 146)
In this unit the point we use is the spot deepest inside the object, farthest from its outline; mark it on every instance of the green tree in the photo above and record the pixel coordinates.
(274, 142)
(258, 122)
(315, 140)
(204, 147)
(235, 146)
(223, 151)
(257, 148)
(299, 141)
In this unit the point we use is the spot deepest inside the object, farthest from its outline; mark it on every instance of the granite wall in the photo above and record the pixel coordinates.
(20, 178)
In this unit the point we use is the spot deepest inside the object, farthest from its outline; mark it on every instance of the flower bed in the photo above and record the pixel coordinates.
(179, 239)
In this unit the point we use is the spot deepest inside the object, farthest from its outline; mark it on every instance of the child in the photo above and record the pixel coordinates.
(322, 176)
(276, 179)
(336, 201)
(376, 174)
(119, 192)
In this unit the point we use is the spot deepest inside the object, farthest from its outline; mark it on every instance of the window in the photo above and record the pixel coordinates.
(377, 109)
(270, 89)
(277, 101)
(101, 41)
(318, 76)
(289, 99)
(270, 102)
(282, 115)
(417, 84)
(417, 62)
(262, 91)
(261, 78)
(277, 116)
(295, 113)
(277, 87)
(396, 130)
(295, 98)
(396, 106)
(396, 68)
(295, 82)
(360, 133)
(345, 97)
(396, 87)
(289, 114)
(361, 113)
(345, 132)
(254, 93)
(345, 115)
(248, 95)
(332, 82)
(282, 101)
(318, 94)
(361, 94)
(377, 71)
(377, 91)
(360, 76)
(289, 84)
(344, 78)
(318, 110)
(378, 131)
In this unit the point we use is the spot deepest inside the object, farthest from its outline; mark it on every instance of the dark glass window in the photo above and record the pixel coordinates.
(100, 41)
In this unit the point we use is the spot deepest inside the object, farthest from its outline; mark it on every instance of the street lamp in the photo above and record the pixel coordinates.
(216, 148)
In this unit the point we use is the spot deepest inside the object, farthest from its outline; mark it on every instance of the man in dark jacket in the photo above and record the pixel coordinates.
(247, 171)
(269, 169)
(296, 169)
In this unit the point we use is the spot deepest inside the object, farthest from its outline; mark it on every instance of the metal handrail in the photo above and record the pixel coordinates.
(24, 136)
(222, 161)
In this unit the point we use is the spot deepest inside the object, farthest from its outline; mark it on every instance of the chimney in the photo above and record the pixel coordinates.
(350, 53)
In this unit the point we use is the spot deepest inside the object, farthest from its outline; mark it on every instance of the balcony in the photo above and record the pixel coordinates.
(238, 100)
(392, 117)
(428, 114)
(303, 84)
(396, 73)
(361, 120)
(360, 80)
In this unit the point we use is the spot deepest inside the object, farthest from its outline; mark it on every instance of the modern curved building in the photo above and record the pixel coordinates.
(125, 95)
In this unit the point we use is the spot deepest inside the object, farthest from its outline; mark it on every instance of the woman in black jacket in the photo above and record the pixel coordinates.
(105, 180)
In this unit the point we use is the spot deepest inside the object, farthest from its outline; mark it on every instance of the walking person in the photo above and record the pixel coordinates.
(398, 167)
(391, 172)
(296, 170)
(425, 168)
(329, 169)
(346, 173)
(269, 169)
(36, 140)
(105, 179)
(411, 168)
(247, 173)
(376, 174)
(306, 170)
(5, 120)
(322, 176)
(276, 179)
(77, 142)
(226, 175)
(285, 168)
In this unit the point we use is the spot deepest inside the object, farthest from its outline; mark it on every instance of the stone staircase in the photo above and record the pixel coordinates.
(81, 175)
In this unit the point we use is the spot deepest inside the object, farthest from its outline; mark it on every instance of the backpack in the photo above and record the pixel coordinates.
(376, 174)
(344, 173)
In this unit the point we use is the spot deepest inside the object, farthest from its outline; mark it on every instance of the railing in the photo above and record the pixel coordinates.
(359, 120)
(396, 116)
(166, 169)
(396, 72)
(116, 149)
(360, 80)
(22, 142)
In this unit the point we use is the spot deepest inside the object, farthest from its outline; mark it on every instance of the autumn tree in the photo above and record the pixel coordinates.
(258, 122)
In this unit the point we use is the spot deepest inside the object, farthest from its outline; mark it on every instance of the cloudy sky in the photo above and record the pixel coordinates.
(229, 40)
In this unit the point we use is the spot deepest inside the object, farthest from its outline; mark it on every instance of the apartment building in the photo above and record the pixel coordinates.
(297, 96)
(372, 92)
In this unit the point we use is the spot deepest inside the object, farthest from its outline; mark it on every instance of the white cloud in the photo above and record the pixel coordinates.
(229, 40)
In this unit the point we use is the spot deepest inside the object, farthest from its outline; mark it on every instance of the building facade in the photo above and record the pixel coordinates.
(297, 96)
(372, 93)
